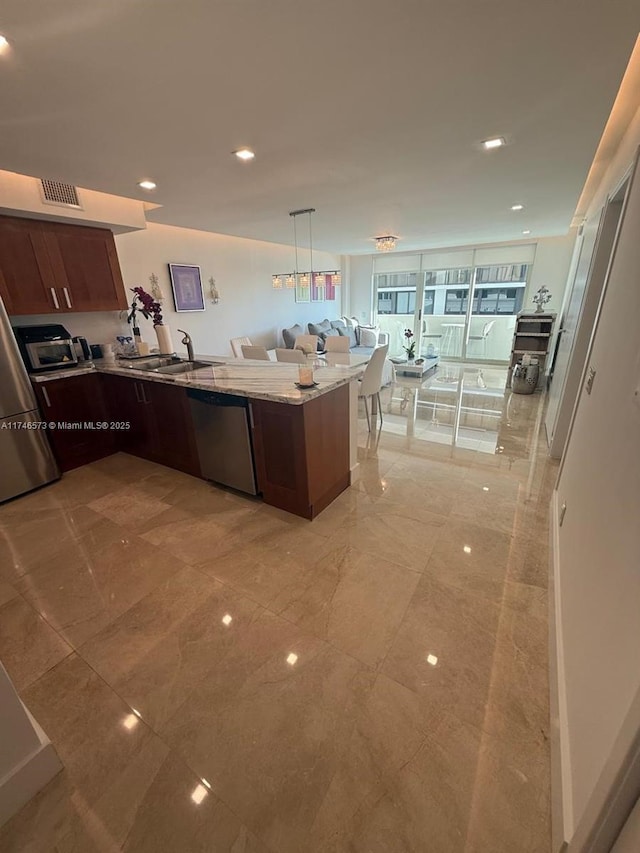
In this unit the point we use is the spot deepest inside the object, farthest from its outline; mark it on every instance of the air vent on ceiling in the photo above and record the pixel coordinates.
(55, 192)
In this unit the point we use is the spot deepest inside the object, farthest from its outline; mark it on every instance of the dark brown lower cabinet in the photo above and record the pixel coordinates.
(302, 452)
(159, 419)
(70, 405)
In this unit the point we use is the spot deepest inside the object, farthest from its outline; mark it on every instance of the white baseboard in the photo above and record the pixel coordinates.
(561, 800)
(28, 777)
(354, 474)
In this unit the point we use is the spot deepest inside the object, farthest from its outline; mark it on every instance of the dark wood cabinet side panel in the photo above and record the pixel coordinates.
(326, 422)
(279, 452)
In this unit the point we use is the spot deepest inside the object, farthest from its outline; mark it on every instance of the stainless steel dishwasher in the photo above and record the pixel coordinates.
(223, 437)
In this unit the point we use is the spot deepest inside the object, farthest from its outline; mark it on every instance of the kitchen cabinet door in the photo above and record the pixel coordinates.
(172, 436)
(27, 283)
(85, 266)
(70, 405)
(160, 421)
(126, 404)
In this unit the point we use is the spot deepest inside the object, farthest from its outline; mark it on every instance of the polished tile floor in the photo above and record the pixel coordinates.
(218, 675)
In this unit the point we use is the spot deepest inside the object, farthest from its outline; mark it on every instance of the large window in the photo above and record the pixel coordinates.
(434, 304)
(403, 301)
(486, 300)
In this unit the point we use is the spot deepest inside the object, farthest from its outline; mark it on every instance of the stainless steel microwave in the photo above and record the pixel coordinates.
(46, 347)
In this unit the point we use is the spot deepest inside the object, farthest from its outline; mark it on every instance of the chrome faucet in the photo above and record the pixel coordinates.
(188, 343)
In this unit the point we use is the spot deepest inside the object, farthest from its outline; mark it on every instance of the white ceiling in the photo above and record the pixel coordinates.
(369, 111)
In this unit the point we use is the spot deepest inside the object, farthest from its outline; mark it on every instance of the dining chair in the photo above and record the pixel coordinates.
(296, 356)
(336, 343)
(483, 337)
(237, 344)
(257, 353)
(308, 343)
(372, 380)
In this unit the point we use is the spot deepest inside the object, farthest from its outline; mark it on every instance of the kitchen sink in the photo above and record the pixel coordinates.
(182, 367)
(163, 364)
(151, 363)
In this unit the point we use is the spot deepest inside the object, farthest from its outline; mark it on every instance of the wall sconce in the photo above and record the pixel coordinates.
(213, 291)
(154, 287)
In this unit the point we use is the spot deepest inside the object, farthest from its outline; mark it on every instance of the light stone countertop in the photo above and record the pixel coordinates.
(260, 380)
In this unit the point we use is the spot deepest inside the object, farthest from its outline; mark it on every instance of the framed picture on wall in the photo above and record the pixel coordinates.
(186, 285)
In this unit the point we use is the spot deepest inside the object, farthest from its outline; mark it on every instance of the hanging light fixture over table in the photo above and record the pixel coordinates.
(304, 279)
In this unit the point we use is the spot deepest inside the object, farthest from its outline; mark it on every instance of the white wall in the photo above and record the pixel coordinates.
(27, 759)
(551, 268)
(242, 269)
(360, 295)
(20, 196)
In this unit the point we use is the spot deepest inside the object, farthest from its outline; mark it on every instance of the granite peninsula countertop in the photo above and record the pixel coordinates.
(260, 380)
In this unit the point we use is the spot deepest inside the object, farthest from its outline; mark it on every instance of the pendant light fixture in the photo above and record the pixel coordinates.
(305, 278)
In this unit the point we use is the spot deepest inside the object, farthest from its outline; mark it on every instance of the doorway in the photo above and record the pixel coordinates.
(579, 317)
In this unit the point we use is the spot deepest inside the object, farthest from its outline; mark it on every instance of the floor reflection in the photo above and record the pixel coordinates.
(464, 406)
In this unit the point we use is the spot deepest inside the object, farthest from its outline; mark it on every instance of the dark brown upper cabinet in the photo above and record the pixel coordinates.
(52, 267)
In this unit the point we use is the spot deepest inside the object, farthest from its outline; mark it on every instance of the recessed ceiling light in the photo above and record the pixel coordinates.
(432, 659)
(4, 43)
(244, 154)
(146, 185)
(526, 231)
(517, 207)
(494, 142)
(467, 549)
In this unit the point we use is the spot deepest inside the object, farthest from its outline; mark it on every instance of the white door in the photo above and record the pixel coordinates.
(597, 536)
(580, 315)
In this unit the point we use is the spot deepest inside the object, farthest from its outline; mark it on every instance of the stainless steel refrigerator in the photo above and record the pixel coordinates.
(26, 461)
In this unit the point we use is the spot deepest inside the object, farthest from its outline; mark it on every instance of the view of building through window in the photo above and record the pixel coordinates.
(434, 304)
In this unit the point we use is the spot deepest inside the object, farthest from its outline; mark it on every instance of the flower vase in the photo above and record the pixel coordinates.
(164, 340)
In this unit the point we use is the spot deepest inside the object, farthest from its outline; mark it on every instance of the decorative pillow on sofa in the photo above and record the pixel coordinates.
(368, 336)
(289, 335)
(319, 328)
(340, 325)
(349, 332)
(330, 333)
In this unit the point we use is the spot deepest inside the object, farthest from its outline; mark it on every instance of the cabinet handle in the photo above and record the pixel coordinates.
(54, 296)
(136, 386)
(46, 396)
(66, 296)
(250, 407)
(143, 391)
